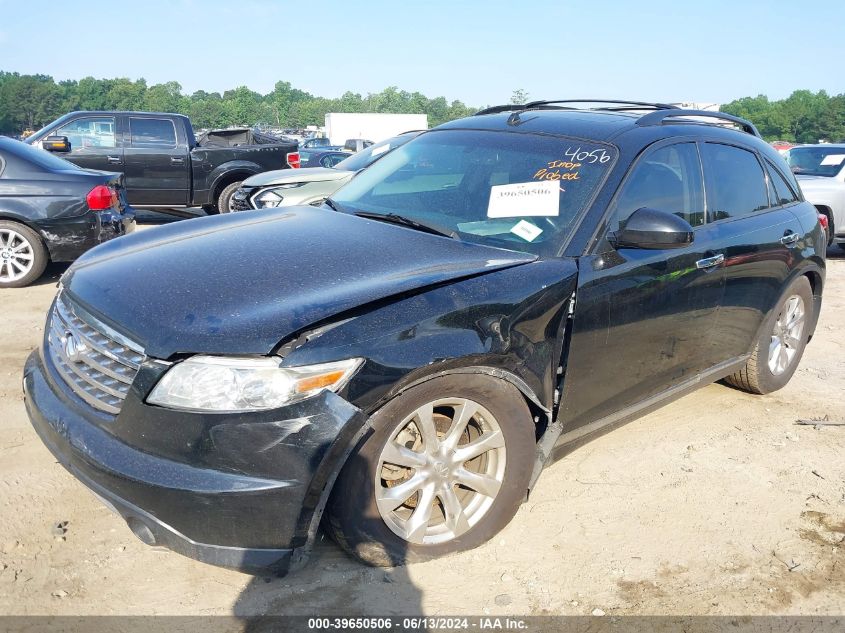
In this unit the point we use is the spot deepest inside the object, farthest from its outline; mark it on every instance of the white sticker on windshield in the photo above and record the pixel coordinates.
(526, 230)
(380, 150)
(833, 159)
(524, 199)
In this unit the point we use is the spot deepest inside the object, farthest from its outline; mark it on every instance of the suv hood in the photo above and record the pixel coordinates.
(284, 176)
(242, 283)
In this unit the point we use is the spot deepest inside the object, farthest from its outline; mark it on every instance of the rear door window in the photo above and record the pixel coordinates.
(152, 133)
(736, 186)
(667, 179)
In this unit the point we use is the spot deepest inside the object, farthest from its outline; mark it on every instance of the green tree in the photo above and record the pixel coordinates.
(519, 97)
(166, 97)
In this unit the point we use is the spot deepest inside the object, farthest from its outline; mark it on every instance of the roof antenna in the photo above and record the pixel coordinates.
(514, 119)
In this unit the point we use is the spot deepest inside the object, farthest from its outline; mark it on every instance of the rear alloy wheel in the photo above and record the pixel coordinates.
(22, 255)
(445, 467)
(786, 336)
(781, 343)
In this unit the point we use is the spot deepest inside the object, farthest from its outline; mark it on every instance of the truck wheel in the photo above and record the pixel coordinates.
(22, 255)
(444, 468)
(781, 344)
(226, 195)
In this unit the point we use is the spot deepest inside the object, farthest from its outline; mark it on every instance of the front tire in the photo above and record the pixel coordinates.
(225, 197)
(781, 344)
(22, 255)
(444, 468)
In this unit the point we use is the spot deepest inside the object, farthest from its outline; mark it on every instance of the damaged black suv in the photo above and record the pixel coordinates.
(401, 363)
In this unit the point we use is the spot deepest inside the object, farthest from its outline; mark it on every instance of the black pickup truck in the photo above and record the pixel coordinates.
(164, 164)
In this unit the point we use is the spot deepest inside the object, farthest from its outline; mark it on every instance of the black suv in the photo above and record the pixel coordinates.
(405, 360)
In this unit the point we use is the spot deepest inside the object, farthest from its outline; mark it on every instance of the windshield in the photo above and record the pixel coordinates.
(362, 159)
(816, 161)
(510, 190)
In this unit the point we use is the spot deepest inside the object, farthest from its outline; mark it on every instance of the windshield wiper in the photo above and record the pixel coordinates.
(395, 218)
(331, 204)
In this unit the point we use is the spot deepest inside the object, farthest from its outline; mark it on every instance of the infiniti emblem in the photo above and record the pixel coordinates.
(73, 349)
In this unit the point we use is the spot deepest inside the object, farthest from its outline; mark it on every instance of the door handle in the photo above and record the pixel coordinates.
(177, 159)
(114, 160)
(789, 238)
(709, 262)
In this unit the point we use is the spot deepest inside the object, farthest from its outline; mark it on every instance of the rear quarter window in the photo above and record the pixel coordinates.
(784, 194)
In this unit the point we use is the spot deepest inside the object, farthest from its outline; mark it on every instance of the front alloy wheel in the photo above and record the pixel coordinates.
(441, 471)
(444, 468)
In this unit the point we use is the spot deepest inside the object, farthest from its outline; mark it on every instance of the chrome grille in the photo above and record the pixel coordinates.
(96, 362)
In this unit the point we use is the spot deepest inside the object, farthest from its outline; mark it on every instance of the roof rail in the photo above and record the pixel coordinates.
(536, 105)
(659, 117)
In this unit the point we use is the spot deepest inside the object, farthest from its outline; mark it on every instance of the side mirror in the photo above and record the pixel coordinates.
(56, 144)
(653, 229)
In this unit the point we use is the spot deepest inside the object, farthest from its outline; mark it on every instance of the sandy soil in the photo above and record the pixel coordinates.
(716, 504)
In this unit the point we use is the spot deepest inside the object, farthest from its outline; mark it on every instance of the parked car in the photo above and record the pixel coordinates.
(310, 185)
(325, 159)
(405, 360)
(52, 210)
(164, 165)
(356, 144)
(820, 170)
(315, 142)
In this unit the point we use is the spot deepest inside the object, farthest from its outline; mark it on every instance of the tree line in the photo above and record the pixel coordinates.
(32, 101)
(803, 117)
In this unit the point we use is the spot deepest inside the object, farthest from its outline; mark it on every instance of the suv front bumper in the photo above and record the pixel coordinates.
(247, 496)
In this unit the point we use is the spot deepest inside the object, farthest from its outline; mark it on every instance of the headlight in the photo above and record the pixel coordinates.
(270, 198)
(216, 383)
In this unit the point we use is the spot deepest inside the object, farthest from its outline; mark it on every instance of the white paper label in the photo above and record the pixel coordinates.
(380, 150)
(833, 159)
(524, 199)
(526, 230)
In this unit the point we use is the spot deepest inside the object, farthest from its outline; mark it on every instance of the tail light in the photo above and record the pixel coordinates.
(293, 160)
(823, 220)
(101, 198)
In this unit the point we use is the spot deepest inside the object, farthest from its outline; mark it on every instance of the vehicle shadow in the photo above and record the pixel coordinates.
(330, 583)
(150, 216)
(834, 252)
(51, 274)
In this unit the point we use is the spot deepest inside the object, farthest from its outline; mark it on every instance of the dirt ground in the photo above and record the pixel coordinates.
(716, 504)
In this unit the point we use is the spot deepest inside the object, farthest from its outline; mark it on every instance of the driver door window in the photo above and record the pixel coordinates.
(667, 179)
(89, 133)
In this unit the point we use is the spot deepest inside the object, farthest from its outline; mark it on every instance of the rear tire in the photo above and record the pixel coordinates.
(226, 195)
(22, 255)
(781, 344)
(483, 413)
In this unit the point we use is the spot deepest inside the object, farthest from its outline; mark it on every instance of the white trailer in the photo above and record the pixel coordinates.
(374, 127)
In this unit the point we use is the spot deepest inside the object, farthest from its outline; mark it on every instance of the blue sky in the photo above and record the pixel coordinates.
(478, 52)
